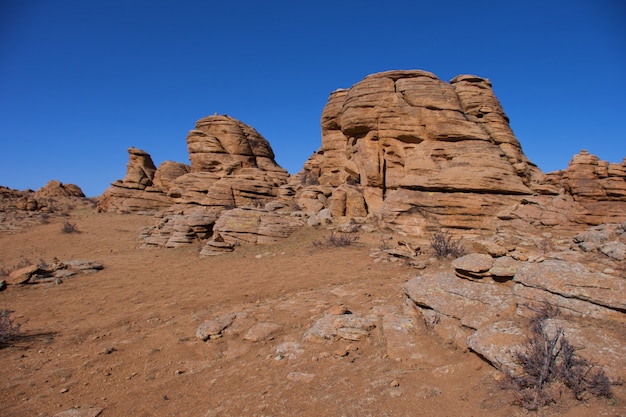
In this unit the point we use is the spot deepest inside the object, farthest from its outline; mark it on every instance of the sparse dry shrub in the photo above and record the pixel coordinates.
(8, 329)
(443, 245)
(69, 228)
(337, 240)
(548, 360)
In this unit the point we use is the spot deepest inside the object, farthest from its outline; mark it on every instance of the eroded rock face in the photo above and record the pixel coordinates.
(136, 193)
(598, 187)
(415, 144)
(232, 165)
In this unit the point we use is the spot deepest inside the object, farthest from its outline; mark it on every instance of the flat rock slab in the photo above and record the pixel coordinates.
(530, 300)
(574, 280)
(346, 326)
(80, 412)
(261, 331)
(497, 344)
(474, 304)
(474, 262)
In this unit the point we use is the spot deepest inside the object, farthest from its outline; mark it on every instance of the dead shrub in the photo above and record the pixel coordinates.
(443, 245)
(337, 240)
(69, 228)
(8, 329)
(549, 360)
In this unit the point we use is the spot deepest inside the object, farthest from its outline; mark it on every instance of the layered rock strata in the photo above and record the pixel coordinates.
(423, 151)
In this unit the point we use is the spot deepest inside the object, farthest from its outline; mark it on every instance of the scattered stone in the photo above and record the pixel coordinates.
(504, 268)
(347, 326)
(80, 412)
(212, 329)
(300, 376)
(289, 350)
(262, 331)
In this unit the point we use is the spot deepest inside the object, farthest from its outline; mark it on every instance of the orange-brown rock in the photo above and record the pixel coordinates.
(232, 165)
(598, 188)
(57, 189)
(424, 152)
(136, 192)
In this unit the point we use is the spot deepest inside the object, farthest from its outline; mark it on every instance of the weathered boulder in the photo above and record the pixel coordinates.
(472, 266)
(251, 225)
(474, 304)
(55, 188)
(410, 140)
(136, 192)
(572, 287)
(180, 225)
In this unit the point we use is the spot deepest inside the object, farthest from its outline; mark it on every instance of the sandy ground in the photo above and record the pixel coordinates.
(122, 342)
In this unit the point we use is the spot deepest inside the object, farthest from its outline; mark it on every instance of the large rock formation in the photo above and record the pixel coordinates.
(232, 165)
(137, 192)
(424, 152)
(402, 148)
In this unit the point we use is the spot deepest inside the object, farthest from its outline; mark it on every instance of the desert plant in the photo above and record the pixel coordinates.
(337, 240)
(443, 245)
(8, 329)
(69, 228)
(546, 359)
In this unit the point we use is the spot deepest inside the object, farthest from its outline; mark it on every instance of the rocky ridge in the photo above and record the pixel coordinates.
(28, 207)
(401, 150)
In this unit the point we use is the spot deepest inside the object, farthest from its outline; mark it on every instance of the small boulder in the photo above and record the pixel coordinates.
(474, 265)
(261, 331)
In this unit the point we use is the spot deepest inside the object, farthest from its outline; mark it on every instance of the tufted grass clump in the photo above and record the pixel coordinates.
(337, 240)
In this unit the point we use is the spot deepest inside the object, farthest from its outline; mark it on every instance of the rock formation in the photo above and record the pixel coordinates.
(232, 165)
(28, 207)
(137, 192)
(403, 149)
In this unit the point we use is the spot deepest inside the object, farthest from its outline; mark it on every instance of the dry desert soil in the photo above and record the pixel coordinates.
(122, 342)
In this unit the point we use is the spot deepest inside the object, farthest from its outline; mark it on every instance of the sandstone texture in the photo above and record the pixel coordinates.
(401, 150)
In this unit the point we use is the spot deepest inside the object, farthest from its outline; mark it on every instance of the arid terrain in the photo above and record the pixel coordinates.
(418, 265)
(123, 342)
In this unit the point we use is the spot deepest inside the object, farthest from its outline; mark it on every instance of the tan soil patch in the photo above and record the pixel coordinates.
(123, 339)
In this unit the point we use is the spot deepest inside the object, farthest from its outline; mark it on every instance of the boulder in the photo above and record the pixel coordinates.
(256, 226)
(474, 304)
(573, 281)
(472, 266)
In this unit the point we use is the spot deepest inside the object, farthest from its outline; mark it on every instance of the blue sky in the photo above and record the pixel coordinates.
(81, 81)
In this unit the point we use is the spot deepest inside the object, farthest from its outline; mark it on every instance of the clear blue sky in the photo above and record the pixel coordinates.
(81, 81)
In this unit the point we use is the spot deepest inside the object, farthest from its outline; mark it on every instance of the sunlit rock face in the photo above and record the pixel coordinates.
(423, 151)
